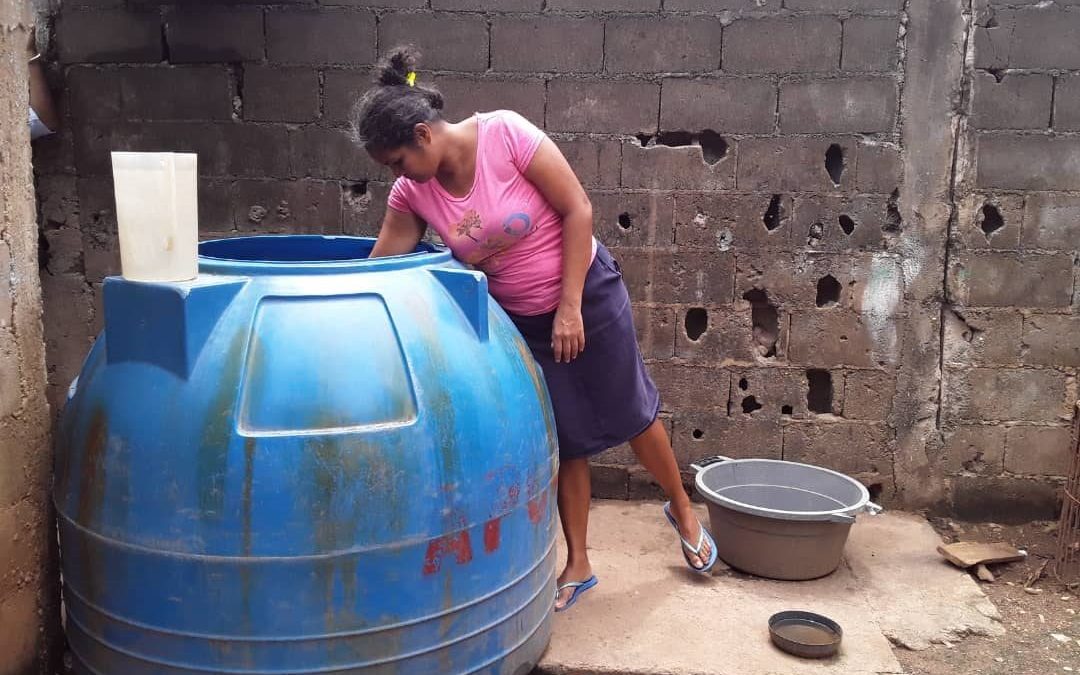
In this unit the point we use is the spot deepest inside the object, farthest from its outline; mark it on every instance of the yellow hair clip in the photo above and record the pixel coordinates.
(411, 78)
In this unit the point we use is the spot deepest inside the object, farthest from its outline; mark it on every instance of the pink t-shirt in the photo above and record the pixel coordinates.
(504, 226)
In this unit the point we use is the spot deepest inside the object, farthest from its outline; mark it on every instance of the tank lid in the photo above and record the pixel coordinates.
(307, 254)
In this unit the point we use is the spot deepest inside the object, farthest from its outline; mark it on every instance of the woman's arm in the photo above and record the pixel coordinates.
(399, 234)
(552, 175)
(40, 98)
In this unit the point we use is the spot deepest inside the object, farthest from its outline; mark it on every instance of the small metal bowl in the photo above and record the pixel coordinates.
(805, 634)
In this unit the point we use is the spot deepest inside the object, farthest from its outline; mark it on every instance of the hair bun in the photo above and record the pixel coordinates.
(393, 68)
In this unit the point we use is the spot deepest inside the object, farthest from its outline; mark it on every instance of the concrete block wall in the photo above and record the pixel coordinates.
(1010, 347)
(772, 175)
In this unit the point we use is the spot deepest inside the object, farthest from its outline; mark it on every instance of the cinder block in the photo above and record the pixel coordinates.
(58, 202)
(1051, 340)
(108, 36)
(686, 277)
(719, 6)
(975, 449)
(93, 93)
(686, 388)
(689, 167)
(1013, 280)
(878, 167)
(632, 219)
(1067, 103)
(597, 163)
(810, 44)
(605, 5)
(1017, 102)
(318, 152)
(868, 394)
(176, 93)
(859, 449)
(255, 150)
(277, 94)
(775, 393)
(726, 105)
(324, 36)
(65, 251)
(739, 222)
(363, 205)
(1004, 500)
(790, 164)
(305, 206)
(655, 331)
(94, 142)
(609, 482)
(870, 44)
(840, 223)
(603, 106)
(879, 285)
(1051, 221)
(1007, 394)
(218, 35)
(485, 5)
(791, 281)
(838, 338)
(1035, 38)
(395, 4)
(341, 91)
(668, 44)
(582, 54)
(715, 334)
(989, 221)
(982, 338)
(465, 96)
(862, 105)
(1038, 451)
(1028, 162)
(843, 5)
(467, 51)
(700, 435)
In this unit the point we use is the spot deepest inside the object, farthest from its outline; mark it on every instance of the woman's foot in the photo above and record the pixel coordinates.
(578, 571)
(690, 530)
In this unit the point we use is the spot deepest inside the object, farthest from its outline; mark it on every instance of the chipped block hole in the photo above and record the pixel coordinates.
(625, 221)
(645, 140)
(846, 224)
(817, 230)
(713, 146)
(772, 214)
(698, 434)
(765, 319)
(786, 409)
(359, 188)
(750, 405)
(819, 392)
(744, 384)
(875, 490)
(991, 219)
(696, 323)
(834, 163)
(893, 221)
(828, 291)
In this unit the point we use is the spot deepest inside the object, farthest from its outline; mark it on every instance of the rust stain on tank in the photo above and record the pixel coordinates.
(213, 455)
(92, 474)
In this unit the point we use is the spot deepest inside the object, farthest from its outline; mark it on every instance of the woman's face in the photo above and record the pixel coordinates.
(417, 161)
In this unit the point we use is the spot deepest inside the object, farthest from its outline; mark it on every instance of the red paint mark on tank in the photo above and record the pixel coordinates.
(537, 507)
(456, 544)
(492, 533)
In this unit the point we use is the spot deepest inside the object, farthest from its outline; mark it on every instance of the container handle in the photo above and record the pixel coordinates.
(873, 509)
(700, 465)
(841, 518)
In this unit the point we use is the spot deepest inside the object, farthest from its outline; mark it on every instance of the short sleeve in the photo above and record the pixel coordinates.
(37, 127)
(522, 138)
(399, 196)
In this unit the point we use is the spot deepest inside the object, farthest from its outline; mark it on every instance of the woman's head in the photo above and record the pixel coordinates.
(396, 120)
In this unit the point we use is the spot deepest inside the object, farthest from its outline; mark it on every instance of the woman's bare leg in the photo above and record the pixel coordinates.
(574, 494)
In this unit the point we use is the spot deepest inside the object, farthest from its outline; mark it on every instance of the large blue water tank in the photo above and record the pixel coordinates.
(307, 461)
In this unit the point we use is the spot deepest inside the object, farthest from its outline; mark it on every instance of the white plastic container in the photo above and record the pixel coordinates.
(157, 215)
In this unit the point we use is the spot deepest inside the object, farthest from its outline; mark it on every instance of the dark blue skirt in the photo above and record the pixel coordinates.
(605, 396)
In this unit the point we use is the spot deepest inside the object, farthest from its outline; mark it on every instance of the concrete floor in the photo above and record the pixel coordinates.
(649, 615)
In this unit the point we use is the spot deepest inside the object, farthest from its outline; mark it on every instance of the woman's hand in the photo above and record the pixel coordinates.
(568, 333)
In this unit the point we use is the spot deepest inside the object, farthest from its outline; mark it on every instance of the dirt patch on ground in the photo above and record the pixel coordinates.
(1043, 624)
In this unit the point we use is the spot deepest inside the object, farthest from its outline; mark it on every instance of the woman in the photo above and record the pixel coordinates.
(503, 198)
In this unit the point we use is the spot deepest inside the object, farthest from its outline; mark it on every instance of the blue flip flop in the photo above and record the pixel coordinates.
(703, 536)
(579, 588)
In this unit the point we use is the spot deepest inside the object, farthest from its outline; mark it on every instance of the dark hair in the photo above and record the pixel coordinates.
(385, 116)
